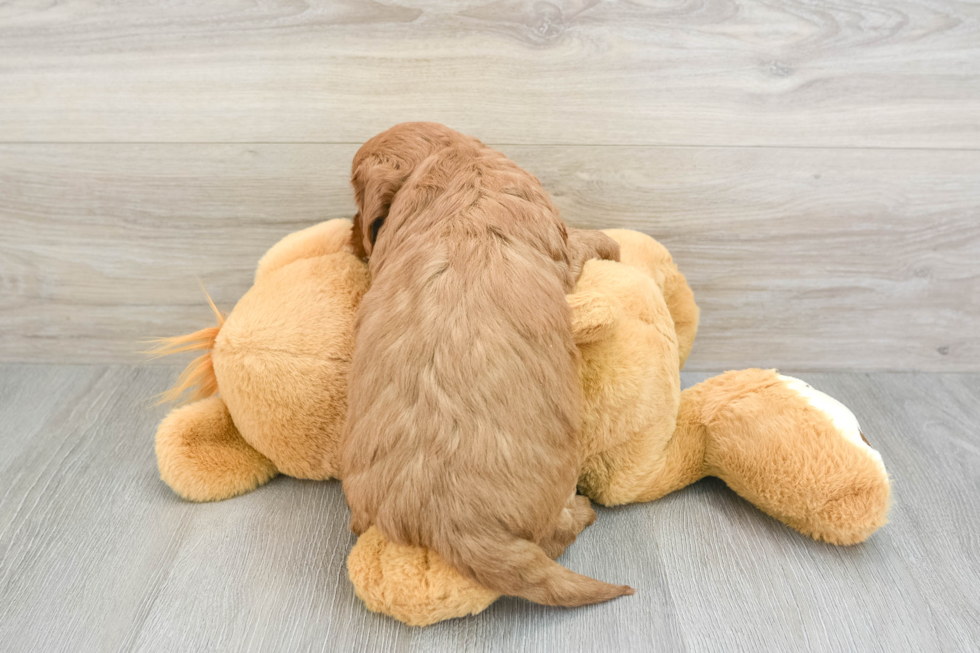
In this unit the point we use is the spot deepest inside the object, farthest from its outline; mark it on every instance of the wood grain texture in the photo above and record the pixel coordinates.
(800, 258)
(96, 554)
(881, 73)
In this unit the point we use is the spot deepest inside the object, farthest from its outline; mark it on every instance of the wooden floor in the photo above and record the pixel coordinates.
(96, 553)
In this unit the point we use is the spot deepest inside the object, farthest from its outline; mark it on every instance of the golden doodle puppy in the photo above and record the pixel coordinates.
(463, 402)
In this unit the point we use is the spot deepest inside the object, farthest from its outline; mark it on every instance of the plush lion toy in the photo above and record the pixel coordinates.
(270, 396)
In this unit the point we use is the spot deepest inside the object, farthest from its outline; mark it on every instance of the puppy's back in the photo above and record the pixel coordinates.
(464, 394)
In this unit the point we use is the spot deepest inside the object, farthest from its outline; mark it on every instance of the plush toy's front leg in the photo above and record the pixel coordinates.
(202, 456)
(793, 451)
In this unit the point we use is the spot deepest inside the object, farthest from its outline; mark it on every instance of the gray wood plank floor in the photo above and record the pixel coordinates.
(96, 554)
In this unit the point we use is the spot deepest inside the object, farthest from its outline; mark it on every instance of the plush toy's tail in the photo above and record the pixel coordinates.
(199, 373)
(517, 567)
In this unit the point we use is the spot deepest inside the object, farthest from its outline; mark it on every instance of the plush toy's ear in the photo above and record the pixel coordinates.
(328, 237)
(642, 252)
(594, 316)
(683, 310)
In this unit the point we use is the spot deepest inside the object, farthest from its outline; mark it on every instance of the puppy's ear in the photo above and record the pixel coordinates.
(595, 316)
(376, 179)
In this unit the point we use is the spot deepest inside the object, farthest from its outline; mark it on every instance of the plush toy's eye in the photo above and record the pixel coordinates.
(375, 228)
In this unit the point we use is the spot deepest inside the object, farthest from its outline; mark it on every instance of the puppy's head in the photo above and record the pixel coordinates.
(382, 166)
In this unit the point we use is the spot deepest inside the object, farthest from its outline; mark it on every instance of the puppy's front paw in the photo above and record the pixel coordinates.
(605, 247)
(585, 244)
(591, 243)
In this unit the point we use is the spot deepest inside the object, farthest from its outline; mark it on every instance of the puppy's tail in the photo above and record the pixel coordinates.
(517, 567)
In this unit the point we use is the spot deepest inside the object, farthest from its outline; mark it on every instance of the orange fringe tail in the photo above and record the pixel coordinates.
(199, 373)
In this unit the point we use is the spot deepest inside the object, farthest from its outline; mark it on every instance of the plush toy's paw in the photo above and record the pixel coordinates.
(202, 456)
(842, 417)
(862, 507)
(794, 452)
(594, 316)
(411, 584)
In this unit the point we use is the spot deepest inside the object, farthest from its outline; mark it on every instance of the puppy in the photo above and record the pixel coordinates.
(463, 394)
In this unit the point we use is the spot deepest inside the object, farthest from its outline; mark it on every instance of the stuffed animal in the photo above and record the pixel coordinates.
(269, 396)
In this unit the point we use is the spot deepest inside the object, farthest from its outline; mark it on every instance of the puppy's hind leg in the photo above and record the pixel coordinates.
(575, 516)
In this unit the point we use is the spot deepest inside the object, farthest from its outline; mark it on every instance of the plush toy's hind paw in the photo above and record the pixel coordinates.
(842, 417)
(202, 457)
(862, 507)
(795, 453)
(412, 584)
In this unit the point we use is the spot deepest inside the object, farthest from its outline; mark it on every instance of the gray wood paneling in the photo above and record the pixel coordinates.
(802, 258)
(883, 73)
(96, 554)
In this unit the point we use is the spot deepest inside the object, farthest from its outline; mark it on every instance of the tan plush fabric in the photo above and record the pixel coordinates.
(282, 359)
(630, 380)
(640, 251)
(280, 362)
(202, 456)
(412, 584)
(775, 449)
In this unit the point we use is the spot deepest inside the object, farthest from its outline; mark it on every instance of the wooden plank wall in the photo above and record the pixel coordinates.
(813, 166)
